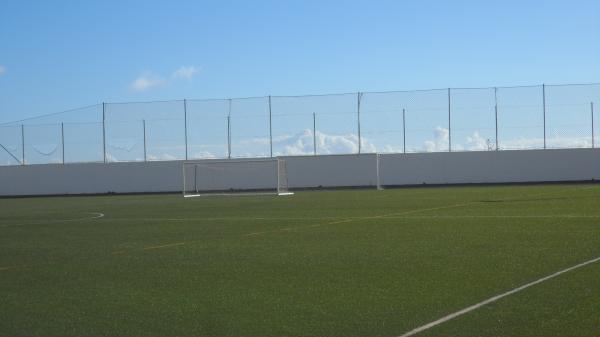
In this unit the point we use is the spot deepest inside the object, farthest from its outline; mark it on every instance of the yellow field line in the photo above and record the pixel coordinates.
(420, 210)
(164, 246)
(346, 220)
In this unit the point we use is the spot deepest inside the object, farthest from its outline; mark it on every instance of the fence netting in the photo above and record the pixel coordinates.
(440, 120)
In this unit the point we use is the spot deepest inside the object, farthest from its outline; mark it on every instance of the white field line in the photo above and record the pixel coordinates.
(94, 216)
(337, 220)
(345, 219)
(227, 218)
(588, 187)
(387, 216)
(495, 298)
(565, 216)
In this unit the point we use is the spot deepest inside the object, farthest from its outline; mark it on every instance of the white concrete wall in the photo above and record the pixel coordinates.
(310, 171)
(332, 171)
(490, 167)
(90, 178)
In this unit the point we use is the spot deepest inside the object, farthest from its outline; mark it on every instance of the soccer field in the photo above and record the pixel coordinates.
(318, 263)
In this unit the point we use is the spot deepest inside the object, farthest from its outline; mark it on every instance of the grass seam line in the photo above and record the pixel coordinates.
(495, 298)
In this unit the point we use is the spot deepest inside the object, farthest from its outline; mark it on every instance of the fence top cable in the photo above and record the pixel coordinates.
(50, 114)
(298, 96)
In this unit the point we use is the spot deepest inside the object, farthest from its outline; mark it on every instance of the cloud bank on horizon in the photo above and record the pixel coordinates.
(130, 147)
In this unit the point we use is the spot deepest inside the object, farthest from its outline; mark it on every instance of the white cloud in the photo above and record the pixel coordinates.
(298, 144)
(303, 144)
(551, 142)
(147, 81)
(162, 156)
(477, 143)
(2, 70)
(328, 144)
(387, 148)
(203, 155)
(185, 73)
(122, 144)
(439, 142)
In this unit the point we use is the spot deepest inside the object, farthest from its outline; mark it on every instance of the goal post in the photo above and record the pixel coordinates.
(235, 177)
(379, 186)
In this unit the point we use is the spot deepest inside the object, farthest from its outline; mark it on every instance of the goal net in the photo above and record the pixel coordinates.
(235, 176)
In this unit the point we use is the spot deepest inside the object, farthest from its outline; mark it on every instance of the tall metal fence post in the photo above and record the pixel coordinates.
(22, 144)
(404, 130)
(359, 96)
(314, 133)
(449, 122)
(144, 131)
(229, 131)
(185, 134)
(104, 131)
(496, 114)
(62, 140)
(544, 109)
(592, 112)
(270, 128)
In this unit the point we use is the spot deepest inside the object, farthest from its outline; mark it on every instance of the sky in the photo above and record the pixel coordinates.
(57, 55)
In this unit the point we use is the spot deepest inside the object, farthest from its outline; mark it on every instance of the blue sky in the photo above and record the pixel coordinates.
(56, 55)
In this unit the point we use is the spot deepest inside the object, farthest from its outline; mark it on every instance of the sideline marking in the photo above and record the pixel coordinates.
(5, 268)
(494, 299)
(565, 216)
(228, 218)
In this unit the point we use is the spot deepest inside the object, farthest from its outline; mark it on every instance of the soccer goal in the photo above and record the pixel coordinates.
(235, 176)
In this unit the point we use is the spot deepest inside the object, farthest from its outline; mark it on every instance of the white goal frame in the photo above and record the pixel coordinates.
(282, 180)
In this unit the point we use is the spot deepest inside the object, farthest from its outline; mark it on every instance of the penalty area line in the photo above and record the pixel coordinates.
(495, 298)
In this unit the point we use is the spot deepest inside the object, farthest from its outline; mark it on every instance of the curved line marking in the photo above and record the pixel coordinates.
(95, 215)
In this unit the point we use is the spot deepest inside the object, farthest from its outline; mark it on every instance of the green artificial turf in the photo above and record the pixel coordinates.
(322, 263)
